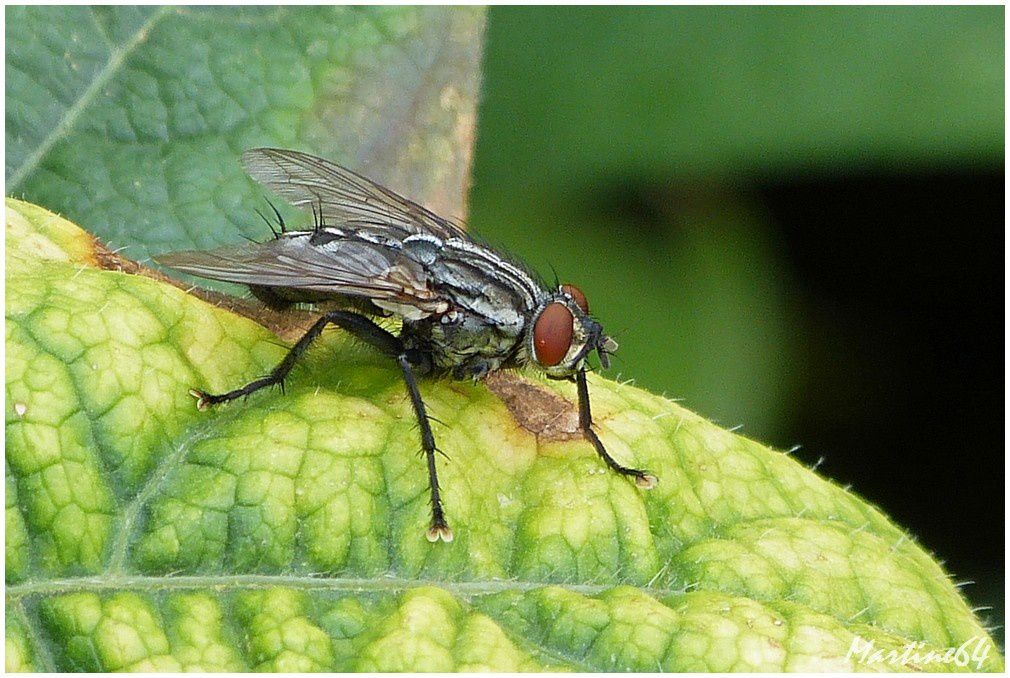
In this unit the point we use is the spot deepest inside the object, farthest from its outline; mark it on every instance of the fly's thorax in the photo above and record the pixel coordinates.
(561, 334)
(489, 300)
(458, 339)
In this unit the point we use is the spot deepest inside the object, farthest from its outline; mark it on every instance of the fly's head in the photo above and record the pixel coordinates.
(562, 334)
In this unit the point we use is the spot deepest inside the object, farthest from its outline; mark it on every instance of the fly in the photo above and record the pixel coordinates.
(466, 309)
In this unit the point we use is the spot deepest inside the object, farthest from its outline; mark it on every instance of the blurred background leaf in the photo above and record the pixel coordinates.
(131, 120)
(792, 218)
(738, 90)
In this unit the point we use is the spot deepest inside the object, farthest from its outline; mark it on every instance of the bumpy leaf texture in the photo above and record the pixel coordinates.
(288, 532)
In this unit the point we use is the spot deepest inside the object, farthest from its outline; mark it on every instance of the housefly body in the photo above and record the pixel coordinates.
(466, 309)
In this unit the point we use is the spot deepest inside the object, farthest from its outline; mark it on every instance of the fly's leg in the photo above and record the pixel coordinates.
(365, 330)
(439, 529)
(358, 325)
(644, 480)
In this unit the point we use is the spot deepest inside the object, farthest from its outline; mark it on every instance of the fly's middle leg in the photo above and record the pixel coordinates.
(643, 479)
(366, 330)
(439, 528)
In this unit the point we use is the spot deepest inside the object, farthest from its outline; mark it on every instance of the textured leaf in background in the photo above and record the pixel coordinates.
(130, 120)
(287, 532)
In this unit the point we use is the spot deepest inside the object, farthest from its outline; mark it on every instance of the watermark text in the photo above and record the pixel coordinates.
(972, 652)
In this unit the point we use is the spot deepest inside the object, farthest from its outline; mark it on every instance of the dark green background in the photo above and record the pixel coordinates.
(791, 218)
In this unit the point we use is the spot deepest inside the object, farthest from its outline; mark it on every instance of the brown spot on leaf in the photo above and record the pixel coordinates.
(540, 411)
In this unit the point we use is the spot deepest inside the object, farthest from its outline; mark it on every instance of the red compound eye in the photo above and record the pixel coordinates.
(552, 334)
(576, 294)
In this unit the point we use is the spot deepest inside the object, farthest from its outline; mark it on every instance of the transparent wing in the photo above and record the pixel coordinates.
(343, 197)
(342, 267)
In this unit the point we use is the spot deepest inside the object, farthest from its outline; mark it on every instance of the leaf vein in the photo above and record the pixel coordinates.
(65, 125)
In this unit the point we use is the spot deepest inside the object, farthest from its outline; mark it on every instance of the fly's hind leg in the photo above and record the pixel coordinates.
(366, 330)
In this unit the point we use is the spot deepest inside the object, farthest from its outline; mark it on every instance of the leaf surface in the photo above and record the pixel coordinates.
(287, 532)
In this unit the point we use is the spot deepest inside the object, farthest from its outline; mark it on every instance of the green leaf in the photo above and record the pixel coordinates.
(287, 532)
(131, 120)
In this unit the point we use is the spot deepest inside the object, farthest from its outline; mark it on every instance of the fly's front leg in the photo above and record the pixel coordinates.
(358, 325)
(644, 480)
(439, 529)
